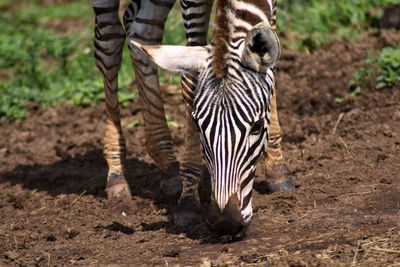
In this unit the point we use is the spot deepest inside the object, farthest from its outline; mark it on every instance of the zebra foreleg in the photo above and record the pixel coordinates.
(188, 210)
(144, 23)
(108, 44)
(278, 175)
(196, 15)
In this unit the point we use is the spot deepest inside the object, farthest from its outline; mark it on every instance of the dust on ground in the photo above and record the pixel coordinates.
(345, 160)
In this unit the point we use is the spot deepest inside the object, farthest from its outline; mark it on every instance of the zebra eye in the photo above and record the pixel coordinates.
(256, 128)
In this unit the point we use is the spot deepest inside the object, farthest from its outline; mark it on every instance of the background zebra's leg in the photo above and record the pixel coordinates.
(189, 208)
(144, 23)
(196, 16)
(108, 44)
(278, 175)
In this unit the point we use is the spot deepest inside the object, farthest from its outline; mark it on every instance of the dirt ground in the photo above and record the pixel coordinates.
(345, 159)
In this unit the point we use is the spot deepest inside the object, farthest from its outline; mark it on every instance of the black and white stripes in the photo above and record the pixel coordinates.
(231, 110)
(227, 88)
(232, 116)
(231, 96)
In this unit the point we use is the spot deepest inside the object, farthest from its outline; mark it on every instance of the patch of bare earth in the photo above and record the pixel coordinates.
(345, 159)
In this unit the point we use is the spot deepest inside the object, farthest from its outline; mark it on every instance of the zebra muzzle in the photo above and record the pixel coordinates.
(229, 220)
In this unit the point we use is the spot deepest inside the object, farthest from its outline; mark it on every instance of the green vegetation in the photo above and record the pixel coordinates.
(46, 56)
(308, 24)
(383, 70)
(171, 122)
(39, 64)
(174, 29)
(46, 47)
(388, 72)
(174, 34)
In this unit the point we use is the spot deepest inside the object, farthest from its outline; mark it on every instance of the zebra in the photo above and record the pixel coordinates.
(230, 98)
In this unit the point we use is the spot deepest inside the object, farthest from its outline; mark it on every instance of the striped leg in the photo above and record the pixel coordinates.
(108, 43)
(144, 23)
(278, 175)
(196, 15)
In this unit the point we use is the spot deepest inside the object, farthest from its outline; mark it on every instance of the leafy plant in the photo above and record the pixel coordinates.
(389, 67)
(381, 70)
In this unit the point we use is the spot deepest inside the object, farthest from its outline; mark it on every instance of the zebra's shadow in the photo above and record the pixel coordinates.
(87, 173)
(82, 173)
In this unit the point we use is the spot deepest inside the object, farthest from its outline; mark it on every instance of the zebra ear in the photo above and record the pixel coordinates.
(174, 58)
(262, 47)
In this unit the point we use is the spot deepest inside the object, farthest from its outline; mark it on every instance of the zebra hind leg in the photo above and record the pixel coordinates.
(278, 175)
(144, 23)
(108, 44)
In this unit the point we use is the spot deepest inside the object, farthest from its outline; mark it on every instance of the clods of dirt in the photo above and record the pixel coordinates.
(345, 159)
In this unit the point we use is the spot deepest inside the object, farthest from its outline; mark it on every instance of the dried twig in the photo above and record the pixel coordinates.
(386, 250)
(365, 254)
(344, 144)
(355, 254)
(337, 123)
(78, 197)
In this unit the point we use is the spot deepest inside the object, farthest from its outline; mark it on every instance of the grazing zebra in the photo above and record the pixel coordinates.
(230, 98)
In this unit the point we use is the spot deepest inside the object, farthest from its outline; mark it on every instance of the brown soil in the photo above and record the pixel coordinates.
(345, 159)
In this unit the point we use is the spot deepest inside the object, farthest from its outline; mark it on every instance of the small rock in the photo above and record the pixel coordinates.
(71, 233)
(51, 238)
(171, 253)
(12, 255)
(386, 181)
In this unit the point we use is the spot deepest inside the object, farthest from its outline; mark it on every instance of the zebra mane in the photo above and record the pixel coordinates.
(225, 26)
(220, 37)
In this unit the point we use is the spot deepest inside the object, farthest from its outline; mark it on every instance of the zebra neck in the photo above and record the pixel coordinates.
(234, 19)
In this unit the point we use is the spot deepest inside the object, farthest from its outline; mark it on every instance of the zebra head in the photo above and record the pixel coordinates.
(231, 113)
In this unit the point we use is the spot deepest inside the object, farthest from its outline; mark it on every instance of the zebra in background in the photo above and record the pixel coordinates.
(230, 98)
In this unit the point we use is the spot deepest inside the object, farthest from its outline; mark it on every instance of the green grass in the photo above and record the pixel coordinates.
(46, 51)
(41, 63)
(45, 66)
(308, 24)
(174, 34)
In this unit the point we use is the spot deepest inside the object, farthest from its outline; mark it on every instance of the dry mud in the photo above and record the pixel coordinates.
(344, 158)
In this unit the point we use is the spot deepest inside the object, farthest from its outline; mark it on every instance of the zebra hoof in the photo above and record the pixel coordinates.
(279, 179)
(171, 187)
(188, 212)
(117, 187)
